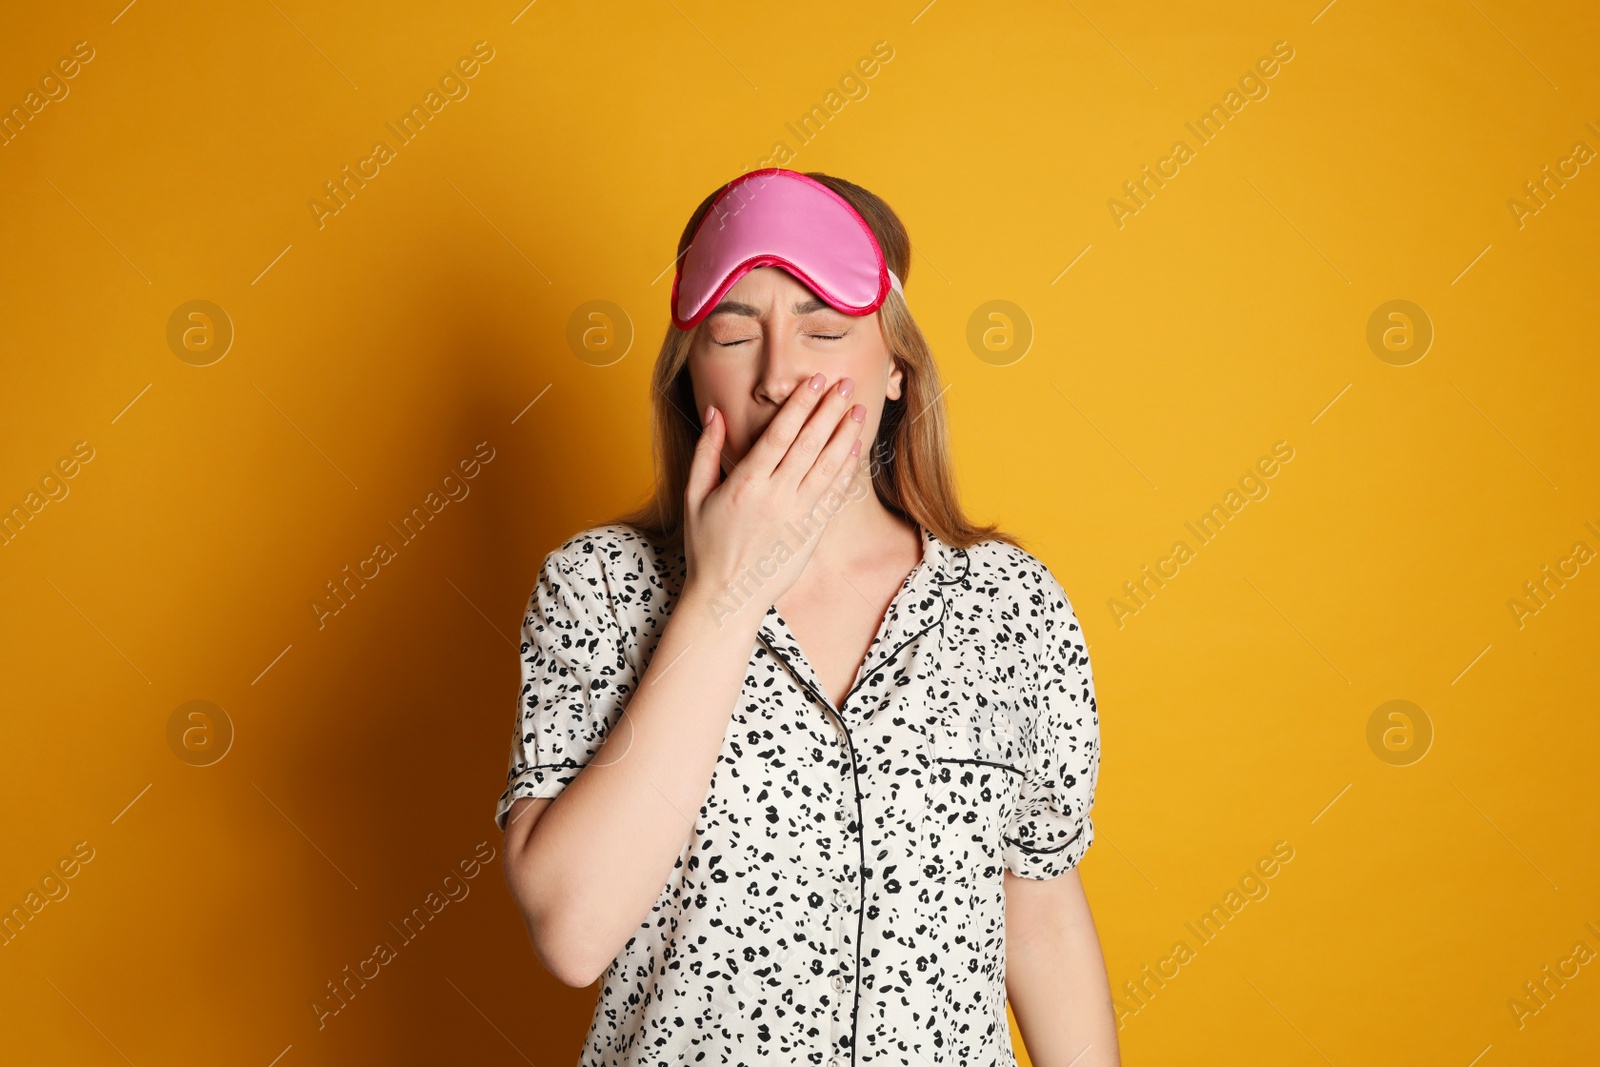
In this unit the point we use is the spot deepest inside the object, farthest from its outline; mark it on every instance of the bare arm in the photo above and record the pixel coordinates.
(587, 870)
(1055, 974)
(587, 866)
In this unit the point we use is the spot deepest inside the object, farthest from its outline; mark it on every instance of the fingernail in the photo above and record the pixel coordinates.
(709, 409)
(858, 413)
(855, 448)
(847, 387)
(816, 382)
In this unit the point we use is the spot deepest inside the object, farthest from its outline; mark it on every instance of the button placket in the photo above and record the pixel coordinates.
(844, 916)
(877, 827)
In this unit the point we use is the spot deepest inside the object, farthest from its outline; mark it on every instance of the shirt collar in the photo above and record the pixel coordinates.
(917, 607)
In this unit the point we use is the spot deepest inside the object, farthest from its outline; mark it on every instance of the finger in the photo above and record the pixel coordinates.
(770, 448)
(836, 463)
(815, 434)
(854, 467)
(707, 462)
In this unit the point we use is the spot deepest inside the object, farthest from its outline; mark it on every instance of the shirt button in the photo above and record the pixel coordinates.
(839, 813)
(838, 982)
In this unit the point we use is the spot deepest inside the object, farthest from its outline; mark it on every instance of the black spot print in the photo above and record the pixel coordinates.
(841, 902)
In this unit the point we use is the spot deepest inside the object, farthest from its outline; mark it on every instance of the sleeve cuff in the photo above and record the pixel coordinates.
(543, 781)
(1051, 858)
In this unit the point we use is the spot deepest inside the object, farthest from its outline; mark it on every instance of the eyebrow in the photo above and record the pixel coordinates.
(801, 307)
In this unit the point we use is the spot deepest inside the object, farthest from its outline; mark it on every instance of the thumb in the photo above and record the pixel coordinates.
(706, 467)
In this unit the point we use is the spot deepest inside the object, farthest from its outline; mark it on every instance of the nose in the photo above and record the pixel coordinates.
(787, 365)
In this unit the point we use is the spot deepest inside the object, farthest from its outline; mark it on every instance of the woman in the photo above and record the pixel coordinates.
(803, 759)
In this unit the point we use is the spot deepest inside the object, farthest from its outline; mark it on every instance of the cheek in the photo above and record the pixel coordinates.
(725, 397)
(716, 386)
(868, 360)
(703, 380)
(714, 374)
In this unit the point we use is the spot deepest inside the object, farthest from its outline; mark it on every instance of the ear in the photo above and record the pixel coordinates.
(896, 379)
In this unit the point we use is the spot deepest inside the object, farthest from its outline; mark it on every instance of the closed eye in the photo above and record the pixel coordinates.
(746, 340)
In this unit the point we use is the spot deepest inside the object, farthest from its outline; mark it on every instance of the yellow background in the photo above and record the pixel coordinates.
(373, 353)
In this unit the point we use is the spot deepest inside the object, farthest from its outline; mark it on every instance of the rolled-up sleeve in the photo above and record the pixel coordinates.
(571, 668)
(1050, 829)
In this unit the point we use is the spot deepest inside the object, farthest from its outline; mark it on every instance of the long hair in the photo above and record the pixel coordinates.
(910, 458)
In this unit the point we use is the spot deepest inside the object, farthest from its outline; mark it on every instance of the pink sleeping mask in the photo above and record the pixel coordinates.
(781, 218)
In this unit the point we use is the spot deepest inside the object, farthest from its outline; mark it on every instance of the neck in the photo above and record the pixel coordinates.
(862, 530)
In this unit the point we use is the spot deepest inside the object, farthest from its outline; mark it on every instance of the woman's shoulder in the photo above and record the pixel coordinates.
(1006, 570)
(615, 578)
(999, 562)
(609, 542)
(616, 556)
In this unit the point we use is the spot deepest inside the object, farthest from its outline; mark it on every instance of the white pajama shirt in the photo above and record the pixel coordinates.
(840, 900)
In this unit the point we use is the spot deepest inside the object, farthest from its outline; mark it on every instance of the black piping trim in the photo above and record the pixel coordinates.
(892, 656)
(1058, 848)
(861, 832)
(861, 818)
(518, 772)
(944, 609)
(985, 762)
(861, 910)
(966, 569)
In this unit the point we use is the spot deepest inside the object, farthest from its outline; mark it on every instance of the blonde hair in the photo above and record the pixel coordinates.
(909, 460)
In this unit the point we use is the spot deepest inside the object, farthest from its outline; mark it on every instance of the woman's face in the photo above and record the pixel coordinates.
(766, 338)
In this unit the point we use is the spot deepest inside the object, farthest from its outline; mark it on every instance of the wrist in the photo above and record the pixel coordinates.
(722, 609)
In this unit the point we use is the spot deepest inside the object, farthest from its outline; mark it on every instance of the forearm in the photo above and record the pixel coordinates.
(597, 859)
(1057, 986)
